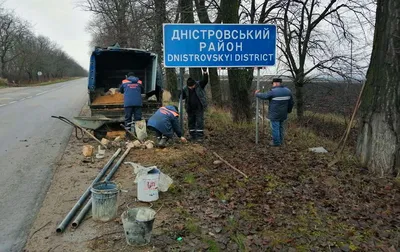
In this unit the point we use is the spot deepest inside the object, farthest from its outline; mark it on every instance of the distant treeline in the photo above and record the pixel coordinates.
(23, 54)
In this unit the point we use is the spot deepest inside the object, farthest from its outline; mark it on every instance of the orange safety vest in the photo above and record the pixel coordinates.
(165, 111)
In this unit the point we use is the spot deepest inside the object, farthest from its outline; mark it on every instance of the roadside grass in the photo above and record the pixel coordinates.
(4, 83)
(50, 82)
(190, 178)
(315, 133)
(300, 137)
(305, 136)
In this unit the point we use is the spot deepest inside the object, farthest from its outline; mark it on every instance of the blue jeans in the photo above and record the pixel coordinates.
(278, 132)
(136, 112)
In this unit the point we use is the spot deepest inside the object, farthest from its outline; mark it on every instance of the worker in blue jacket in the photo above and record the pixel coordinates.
(280, 104)
(165, 122)
(132, 89)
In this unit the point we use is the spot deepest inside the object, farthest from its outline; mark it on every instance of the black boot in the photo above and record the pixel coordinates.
(193, 136)
(162, 142)
(200, 135)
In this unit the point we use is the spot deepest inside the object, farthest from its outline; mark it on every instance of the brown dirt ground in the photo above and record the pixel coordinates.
(291, 201)
(71, 178)
(73, 175)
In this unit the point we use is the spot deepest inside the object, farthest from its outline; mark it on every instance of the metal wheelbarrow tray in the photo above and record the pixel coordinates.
(95, 122)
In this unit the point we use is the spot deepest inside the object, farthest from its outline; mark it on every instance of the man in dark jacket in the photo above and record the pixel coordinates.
(165, 122)
(132, 89)
(195, 105)
(280, 104)
(159, 86)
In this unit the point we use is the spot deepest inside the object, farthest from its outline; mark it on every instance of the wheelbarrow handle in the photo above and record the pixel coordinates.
(130, 133)
(79, 127)
(66, 120)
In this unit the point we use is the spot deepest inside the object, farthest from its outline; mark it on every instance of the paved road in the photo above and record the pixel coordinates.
(30, 144)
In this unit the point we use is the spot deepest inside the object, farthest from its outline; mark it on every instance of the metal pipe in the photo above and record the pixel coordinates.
(88, 205)
(181, 75)
(116, 166)
(257, 104)
(82, 214)
(85, 195)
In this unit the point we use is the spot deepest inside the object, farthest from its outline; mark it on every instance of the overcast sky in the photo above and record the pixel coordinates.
(61, 21)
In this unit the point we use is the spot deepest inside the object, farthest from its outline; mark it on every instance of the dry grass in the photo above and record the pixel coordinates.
(3, 82)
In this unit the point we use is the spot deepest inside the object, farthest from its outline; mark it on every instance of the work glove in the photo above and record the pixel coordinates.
(183, 140)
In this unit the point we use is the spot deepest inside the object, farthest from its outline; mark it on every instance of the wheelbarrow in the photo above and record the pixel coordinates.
(99, 124)
(81, 124)
(94, 122)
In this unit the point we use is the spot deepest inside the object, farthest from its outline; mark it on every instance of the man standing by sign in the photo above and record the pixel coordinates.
(195, 105)
(280, 104)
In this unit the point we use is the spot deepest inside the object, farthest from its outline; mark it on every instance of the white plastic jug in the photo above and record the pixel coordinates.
(147, 186)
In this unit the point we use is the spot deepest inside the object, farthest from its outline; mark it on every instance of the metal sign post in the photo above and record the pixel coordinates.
(257, 105)
(181, 74)
(39, 74)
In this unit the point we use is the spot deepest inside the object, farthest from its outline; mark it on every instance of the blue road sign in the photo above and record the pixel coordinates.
(219, 45)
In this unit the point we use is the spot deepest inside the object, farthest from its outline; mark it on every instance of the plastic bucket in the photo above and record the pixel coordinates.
(138, 224)
(147, 186)
(104, 201)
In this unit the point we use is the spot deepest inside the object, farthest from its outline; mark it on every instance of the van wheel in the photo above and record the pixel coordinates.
(100, 132)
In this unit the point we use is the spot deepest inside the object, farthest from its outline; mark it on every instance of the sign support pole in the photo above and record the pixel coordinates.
(181, 73)
(257, 104)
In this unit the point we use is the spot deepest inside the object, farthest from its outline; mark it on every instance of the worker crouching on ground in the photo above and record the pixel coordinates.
(165, 122)
(280, 104)
(132, 89)
(195, 104)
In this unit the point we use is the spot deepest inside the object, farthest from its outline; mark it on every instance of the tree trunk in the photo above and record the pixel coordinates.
(3, 71)
(3, 67)
(160, 9)
(299, 99)
(215, 85)
(195, 73)
(239, 85)
(214, 78)
(187, 16)
(172, 83)
(379, 140)
(239, 80)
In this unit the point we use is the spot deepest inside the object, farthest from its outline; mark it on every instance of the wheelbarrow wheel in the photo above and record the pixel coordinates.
(100, 132)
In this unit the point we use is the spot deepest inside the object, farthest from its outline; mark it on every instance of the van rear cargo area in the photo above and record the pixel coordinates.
(111, 99)
(108, 67)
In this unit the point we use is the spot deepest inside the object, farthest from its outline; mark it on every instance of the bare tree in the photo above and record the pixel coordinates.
(23, 55)
(186, 10)
(240, 80)
(202, 13)
(126, 22)
(253, 11)
(379, 139)
(312, 34)
(12, 30)
(162, 17)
